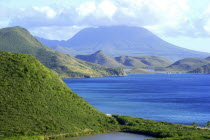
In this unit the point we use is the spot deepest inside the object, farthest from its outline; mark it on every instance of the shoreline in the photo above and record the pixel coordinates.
(158, 129)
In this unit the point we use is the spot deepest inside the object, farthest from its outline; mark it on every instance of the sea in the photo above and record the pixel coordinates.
(175, 98)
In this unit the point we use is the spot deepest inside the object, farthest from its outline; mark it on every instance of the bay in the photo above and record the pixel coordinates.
(112, 136)
(176, 98)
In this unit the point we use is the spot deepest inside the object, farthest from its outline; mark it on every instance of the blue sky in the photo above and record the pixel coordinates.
(185, 23)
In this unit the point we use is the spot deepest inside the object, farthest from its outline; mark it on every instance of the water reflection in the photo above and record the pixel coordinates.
(112, 136)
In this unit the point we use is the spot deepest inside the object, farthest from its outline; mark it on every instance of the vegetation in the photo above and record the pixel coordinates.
(202, 70)
(125, 61)
(187, 64)
(35, 101)
(19, 40)
(35, 104)
(139, 71)
(162, 130)
(101, 58)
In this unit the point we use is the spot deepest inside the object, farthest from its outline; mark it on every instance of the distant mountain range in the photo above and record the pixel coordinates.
(121, 41)
(101, 58)
(19, 40)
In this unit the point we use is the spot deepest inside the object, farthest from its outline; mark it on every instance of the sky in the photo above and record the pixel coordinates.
(185, 23)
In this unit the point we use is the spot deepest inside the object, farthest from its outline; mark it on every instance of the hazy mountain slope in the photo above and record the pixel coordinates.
(19, 40)
(187, 64)
(34, 101)
(125, 61)
(155, 61)
(202, 70)
(125, 41)
(143, 61)
(100, 58)
(130, 61)
(139, 71)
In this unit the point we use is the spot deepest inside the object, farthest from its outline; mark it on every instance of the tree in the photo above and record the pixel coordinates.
(205, 125)
(195, 124)
(208, 124)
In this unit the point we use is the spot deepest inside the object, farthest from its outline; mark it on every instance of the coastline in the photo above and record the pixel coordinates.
(158, 129)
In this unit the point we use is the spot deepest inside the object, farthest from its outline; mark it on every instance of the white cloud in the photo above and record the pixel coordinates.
(163, 17)
(206, 17)
(49, 12)
(56, 32)
(107, 8)
(86, 8)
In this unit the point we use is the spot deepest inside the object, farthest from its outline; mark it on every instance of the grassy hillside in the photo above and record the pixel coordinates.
(201, 70)
(187, 64)
(125, 61)
(35, 101)
(139, 71)
(19, 40)
(100, 58)
(154, 61)
(143, 61)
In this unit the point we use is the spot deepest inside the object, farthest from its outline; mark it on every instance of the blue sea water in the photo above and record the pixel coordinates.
(175, 98)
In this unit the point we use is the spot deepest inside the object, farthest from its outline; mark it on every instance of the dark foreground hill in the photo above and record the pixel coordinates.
(19, 40)
(35, 101)
(121, 41)
(101, 58)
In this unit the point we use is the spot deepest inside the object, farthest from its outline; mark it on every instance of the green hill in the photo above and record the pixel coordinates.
(187, 64)
(35, 101)
(125, 61)
(201, 70)
(139, 71)
(101, 58)
(19, 40)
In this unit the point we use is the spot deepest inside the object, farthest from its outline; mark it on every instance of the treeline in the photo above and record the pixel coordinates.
(162, 130)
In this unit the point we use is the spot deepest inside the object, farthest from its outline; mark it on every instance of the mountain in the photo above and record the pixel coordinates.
(202, 70)
(187, 64)
(35, 101)
(123, 41)
(139, 71)
(101, 58)
(19, 40)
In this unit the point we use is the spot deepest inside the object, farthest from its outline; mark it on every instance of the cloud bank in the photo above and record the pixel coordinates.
(65, 18)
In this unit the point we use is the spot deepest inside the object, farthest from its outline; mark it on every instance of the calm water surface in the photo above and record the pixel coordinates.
(112, 136)
(173, 98)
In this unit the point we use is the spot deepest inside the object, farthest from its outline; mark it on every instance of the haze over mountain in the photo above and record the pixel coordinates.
(187, 64)
(121, 41)
(35, 101)
(101, 58)
(19, 40)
